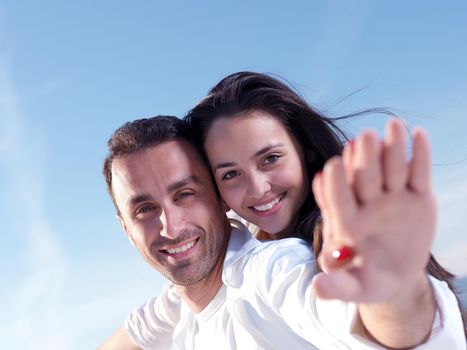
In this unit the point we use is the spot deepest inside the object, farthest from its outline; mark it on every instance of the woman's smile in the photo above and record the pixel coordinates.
(259, 169)
(270, 207)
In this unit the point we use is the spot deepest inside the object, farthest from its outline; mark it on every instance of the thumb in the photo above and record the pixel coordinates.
(339, 284)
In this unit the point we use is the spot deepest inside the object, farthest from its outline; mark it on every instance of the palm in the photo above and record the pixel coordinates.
(375, 202)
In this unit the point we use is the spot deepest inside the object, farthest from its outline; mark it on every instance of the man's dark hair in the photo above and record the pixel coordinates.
(143, 133)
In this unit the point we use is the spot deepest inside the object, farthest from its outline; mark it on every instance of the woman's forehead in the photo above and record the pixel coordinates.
(245, 135)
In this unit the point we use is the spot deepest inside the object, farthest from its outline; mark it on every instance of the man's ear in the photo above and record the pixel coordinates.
(225, 207)
(123, 225)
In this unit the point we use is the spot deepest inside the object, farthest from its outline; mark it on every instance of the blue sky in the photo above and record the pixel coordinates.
(71, 73)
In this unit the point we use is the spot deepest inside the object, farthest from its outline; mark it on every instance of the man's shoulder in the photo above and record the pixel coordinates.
(290, 250)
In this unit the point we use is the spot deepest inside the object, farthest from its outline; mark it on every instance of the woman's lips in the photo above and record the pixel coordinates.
(268, 208)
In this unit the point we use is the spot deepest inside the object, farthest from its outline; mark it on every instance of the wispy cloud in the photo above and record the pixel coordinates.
(31, 311)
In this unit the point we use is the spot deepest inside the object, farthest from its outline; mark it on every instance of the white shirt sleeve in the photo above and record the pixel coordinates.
(447, 331)
(334, 324)
(151, 325)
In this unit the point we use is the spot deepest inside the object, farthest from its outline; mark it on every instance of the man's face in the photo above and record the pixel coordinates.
(170, 211)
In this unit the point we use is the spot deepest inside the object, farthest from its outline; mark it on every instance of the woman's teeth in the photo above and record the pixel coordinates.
(181, 249)
(268, 205)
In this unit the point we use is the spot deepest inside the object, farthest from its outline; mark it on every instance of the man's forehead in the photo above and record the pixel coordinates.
(167, 163)
(178, 148)
(163, 153)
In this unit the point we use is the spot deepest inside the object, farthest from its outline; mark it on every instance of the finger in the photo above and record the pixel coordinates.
(347, 156)
(420, 166)
(367, 167)
(339, 284)
(395, 168)
(334, 257)
(327, 239)
(341, 204)
(317, 188)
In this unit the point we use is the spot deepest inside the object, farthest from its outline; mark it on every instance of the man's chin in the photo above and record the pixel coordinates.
(185, 279)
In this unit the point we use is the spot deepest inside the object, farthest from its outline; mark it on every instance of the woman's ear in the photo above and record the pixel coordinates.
(127, 233)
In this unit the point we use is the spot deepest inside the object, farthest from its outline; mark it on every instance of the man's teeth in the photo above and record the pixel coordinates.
(268, 205)
(182, 248)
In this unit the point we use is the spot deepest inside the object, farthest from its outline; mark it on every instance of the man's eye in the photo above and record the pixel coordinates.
(272, 158)
(144, 209)
(182, 195)
(230, 175)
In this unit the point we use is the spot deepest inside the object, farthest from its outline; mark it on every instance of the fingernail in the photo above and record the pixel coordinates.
(343, 254)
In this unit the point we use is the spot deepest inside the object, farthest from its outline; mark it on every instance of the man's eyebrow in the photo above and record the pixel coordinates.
(133, 201)
(182, 183)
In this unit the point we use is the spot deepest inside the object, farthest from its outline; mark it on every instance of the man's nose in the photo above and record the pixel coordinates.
(171, 221)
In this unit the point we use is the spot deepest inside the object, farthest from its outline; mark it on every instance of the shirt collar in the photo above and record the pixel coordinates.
(241, 242)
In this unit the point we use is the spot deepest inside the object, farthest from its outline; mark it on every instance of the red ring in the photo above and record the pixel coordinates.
(343, 253)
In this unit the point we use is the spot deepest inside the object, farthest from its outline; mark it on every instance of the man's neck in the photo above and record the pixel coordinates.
(200, 294)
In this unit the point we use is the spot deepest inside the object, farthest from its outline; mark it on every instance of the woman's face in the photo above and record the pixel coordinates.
(259, 169)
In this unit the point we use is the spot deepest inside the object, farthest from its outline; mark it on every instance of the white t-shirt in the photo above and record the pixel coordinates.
(266, 303)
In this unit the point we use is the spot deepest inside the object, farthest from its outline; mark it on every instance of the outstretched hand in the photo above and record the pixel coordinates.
(379, 204)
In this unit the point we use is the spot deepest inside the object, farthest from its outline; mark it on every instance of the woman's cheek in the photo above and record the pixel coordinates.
(231, 196)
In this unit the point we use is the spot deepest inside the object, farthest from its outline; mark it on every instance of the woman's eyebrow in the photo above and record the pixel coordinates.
(223, 165)
(258, 153)
(266, 149)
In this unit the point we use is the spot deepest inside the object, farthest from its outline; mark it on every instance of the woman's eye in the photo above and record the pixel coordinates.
(272, 158)
(230, 175)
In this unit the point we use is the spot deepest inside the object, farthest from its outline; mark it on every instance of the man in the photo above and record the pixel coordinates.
(238, 293)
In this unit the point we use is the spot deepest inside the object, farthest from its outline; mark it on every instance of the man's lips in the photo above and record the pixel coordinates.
(180, 248)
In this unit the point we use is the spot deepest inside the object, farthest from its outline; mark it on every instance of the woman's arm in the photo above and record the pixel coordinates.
(382, 207)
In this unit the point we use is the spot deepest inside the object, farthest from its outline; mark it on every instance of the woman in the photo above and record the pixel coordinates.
(310, 136)
(264, 144)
